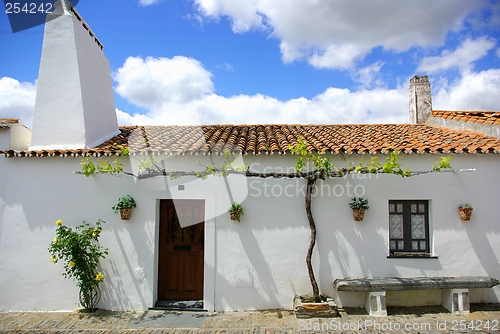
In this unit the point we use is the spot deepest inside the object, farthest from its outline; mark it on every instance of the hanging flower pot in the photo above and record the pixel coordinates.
(465, 212)
(125, 213)
(358, 214)
(235, 212)
(124, 205)
(359, 206)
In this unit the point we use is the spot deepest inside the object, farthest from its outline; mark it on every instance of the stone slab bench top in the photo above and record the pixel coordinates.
(414, 283)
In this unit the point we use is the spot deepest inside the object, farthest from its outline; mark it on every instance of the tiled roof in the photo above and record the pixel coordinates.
(7, 122)
(275, 139)
(486, 117)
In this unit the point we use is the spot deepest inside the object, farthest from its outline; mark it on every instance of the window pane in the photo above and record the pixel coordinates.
(393, 244)
(401, 244)
(399, 207)
(417, 226)
(414, 245)
(421, 208)
(422, 245)
(392, 208)
(396, 227)
(413, 208)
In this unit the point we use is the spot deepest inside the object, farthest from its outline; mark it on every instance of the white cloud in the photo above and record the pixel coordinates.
(154, 81)
(226, 67)
(368, 75)
(461, 58)
(243, 14)
(498, 52)
(335, 105)
(338, 56)
(337, 33)
(149, 2)
(473, 91)
(156, 85)
(17, 100)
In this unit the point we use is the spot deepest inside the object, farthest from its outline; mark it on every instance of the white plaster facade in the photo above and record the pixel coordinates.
(258, 263)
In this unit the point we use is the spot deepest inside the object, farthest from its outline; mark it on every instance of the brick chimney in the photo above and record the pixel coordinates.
(74, 107)
(420, 99)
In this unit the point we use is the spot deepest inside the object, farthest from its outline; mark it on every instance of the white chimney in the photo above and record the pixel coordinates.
(74, 106)
(420, 99)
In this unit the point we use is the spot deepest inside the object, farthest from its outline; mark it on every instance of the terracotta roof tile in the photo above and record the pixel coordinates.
(269, 139)
(7, 122)
(488, 117)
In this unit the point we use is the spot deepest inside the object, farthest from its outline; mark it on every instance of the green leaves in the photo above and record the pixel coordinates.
(124, 202)
(224, 169)
(88, 167)
(323, 168)
(103, 167)
(80, 252)
(359, 203)
(444, 162)
(320, 162)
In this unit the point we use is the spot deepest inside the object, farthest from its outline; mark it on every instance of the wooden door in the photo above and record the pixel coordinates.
(180, 267)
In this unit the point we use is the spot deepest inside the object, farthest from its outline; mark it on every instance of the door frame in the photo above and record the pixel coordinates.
(209, 196)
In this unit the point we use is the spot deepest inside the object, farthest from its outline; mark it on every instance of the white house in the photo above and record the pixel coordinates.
(260, 262)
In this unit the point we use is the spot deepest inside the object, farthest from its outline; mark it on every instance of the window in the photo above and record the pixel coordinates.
(408, 227)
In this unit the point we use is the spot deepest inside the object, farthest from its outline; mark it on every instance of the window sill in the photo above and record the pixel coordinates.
(409, 255)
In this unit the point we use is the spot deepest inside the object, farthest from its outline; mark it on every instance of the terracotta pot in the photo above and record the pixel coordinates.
(125, 213)
(358, 214)
(233, 216)
(465, 213)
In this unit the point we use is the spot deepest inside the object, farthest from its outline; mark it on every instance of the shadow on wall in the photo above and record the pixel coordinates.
(259, 264)
(114, 295)
(121, 280)
(481, 245)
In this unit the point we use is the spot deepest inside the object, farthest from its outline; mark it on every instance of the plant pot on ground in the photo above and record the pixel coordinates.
(124, 205)
(465, 211)
(359, 205)
(305, 307)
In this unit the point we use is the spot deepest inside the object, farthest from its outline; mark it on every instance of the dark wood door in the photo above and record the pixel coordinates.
(180, 270)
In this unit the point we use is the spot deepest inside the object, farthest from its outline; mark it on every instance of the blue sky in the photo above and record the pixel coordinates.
(275, 61)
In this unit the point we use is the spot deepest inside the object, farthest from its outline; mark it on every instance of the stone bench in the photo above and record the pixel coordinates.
(455, 290)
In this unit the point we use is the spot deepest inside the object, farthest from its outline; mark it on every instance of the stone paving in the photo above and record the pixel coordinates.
(484, 318)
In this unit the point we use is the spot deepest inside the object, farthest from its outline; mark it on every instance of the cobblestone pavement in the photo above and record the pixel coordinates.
(483, 319)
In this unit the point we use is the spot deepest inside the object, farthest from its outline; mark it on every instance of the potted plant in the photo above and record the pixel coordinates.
(236, 211)
(124, 205)
(358, 206)
(465, 211)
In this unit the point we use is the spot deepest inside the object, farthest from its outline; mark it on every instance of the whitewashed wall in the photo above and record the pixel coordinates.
(256, 264)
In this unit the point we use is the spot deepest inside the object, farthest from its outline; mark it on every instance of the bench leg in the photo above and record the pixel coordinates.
(456, 300)
(375, 303)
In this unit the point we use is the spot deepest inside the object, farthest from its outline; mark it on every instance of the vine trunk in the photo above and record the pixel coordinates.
(312, 225)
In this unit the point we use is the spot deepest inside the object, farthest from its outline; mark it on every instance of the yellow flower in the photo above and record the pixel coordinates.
(59, 222)
(94, 234)
(99, 277)
(55, 240)
(71, 264)
(53, 259)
